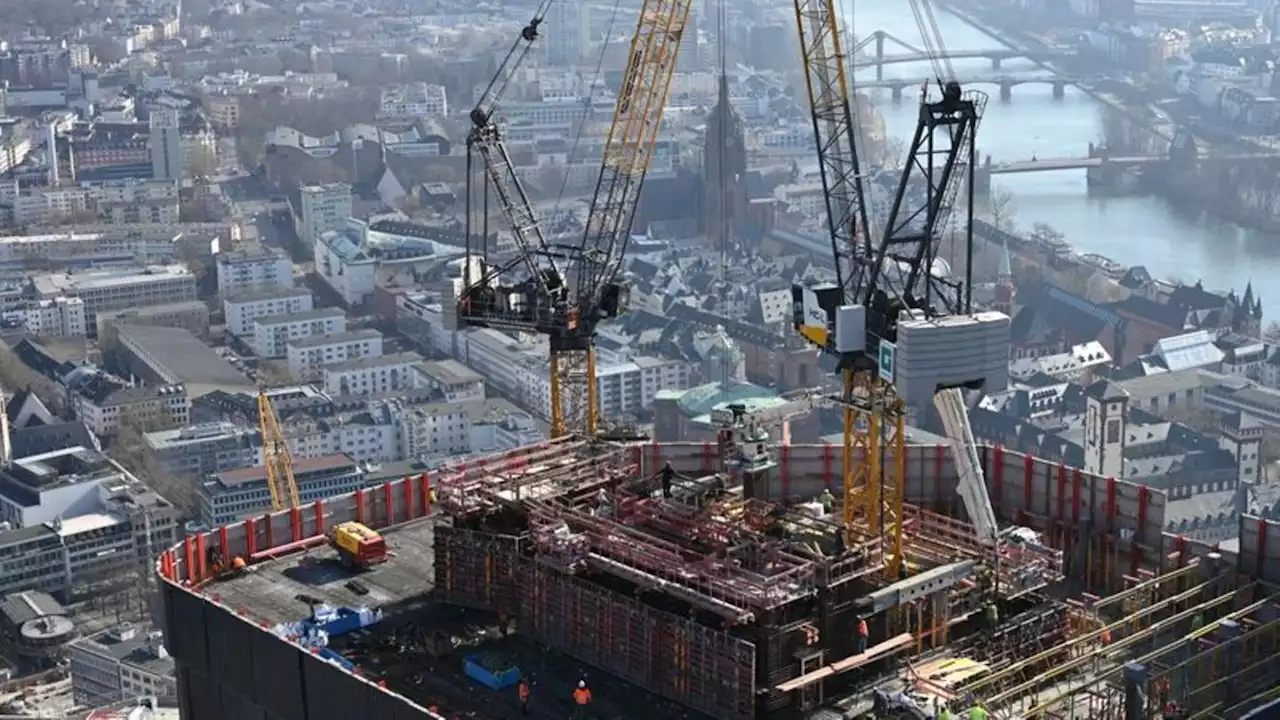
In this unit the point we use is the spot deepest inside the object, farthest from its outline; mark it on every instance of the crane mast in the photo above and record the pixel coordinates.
(874, 443)
(276, 456)
(595, 264)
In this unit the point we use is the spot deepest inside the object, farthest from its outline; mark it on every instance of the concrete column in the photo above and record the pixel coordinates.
(1059, 90)
(1006, 91)
(897, 93)
(1136, 677)
(880, 56)
(995, 64)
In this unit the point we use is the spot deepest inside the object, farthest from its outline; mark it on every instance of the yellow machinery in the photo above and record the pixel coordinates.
(276, 456)
(563, 291)
(357, 544)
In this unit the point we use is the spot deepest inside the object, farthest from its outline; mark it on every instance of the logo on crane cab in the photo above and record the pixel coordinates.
(809, 317)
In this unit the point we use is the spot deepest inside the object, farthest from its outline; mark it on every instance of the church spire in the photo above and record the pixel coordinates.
(1006, 263)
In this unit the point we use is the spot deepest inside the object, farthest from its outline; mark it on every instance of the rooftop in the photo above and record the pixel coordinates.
(307, 316)
(275, 294)
(131, 646)
(180, 358)
(449, 372)
(301, 466)
(335, 339)
(409, 358)
(273, 589)
(69, 283)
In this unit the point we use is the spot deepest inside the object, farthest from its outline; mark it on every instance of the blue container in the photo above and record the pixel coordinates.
(505, 679)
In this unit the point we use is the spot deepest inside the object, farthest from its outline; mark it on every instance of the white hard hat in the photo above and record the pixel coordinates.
(582, 683)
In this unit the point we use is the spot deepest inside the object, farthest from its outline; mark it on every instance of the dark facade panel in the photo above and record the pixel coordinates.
(206, 698)
(231, 657)
(187, 627)
(330, 692)
(278, 688)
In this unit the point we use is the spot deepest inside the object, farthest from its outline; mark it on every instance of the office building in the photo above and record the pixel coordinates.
(455, 381)
(241, 310)
(191, 315)
(59, 317)
(253, 268)
(324, 208)
(118, 289)
(76, 517)
(165, 144)
(205, 449)
(273, 333)
(416, 100)
(308, 356)
(236, 494)
(121, 663)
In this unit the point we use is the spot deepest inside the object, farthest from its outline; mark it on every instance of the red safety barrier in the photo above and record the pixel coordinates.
(1111, 505)
(998, 480)
(1029, 473)
(320, 530)
(189, 555)
(202, 557)
(827, 456)
(388, 504)
(1262, 548)
(1139, 535)
(1075, 496)
(295, 524)
(250, 536)
(424, 493)
(224, 545)
(271, 530)
(707, 454)
(410, 509)
(359, 497)
(1062, 492)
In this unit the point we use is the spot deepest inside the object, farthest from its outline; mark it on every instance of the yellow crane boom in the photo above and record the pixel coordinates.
(276, 456)
(628, 151)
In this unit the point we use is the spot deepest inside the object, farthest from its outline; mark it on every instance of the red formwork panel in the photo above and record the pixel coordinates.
(702, 668)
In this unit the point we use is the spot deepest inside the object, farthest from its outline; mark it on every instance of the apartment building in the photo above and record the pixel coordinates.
(443, 428)
(273, 333)
(45, 249)
(121, 663)
(388, 373)
(253, 268)
(236, 494)
(323, 208)
(205, 449)
(59, 317)
(128, 202)
(101, 401)
(241, 310)
(385, 430)
(76, 517)
(308, 356)
(118, 289)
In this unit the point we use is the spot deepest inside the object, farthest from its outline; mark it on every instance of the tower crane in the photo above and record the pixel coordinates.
(879, 280)
(276, 456)
(564, 290)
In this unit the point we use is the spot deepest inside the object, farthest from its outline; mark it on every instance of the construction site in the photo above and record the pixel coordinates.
(746, 579)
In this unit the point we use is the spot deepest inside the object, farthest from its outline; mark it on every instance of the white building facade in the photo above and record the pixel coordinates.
(308, 356)
(388, 373)
(273, 333)
(240, 311)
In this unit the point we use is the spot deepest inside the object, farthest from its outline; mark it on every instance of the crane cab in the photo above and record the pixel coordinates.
(358, 545)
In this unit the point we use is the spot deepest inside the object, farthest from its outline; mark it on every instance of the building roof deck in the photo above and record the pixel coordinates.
(272, 587)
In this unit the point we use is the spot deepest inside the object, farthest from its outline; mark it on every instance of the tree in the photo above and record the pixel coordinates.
(16, 375)
(1002, 207)
(129, 448)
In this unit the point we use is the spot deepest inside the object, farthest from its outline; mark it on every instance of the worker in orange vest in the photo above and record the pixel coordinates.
(522, 691)
(862, 635)
(1105, 637)
(1163, 688)
(581, 699)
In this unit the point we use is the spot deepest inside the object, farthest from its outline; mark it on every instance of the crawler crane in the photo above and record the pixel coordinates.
(880, 281)
(276, 456)
(565, 290)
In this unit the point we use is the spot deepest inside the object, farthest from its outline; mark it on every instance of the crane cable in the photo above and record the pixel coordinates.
(595, 78)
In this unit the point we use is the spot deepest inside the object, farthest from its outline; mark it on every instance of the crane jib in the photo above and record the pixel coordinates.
(630, 82)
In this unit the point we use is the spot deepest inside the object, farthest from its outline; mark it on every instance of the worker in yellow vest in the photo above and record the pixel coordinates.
(977, 712)
(945, 713)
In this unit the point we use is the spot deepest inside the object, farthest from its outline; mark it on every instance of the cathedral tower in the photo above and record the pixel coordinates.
(724, 169)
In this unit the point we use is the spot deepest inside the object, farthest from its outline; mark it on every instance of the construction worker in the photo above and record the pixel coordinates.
(992, 614)
(862, 635)
(1163, 688)
(1197, 622)
(944, 713)
(581, 699)
(828, 501)
(977, 712)
(668, 477)
(1104, 638)
(522, 691)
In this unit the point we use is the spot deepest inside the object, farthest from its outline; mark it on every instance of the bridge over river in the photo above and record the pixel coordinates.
(1007, 83)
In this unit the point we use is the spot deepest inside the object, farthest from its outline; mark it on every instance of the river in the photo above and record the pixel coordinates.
(1136, 230)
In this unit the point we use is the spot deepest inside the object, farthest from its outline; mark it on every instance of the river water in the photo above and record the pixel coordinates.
(1144, 230)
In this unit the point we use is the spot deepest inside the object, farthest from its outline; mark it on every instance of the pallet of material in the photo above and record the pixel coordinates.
(852, 662)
